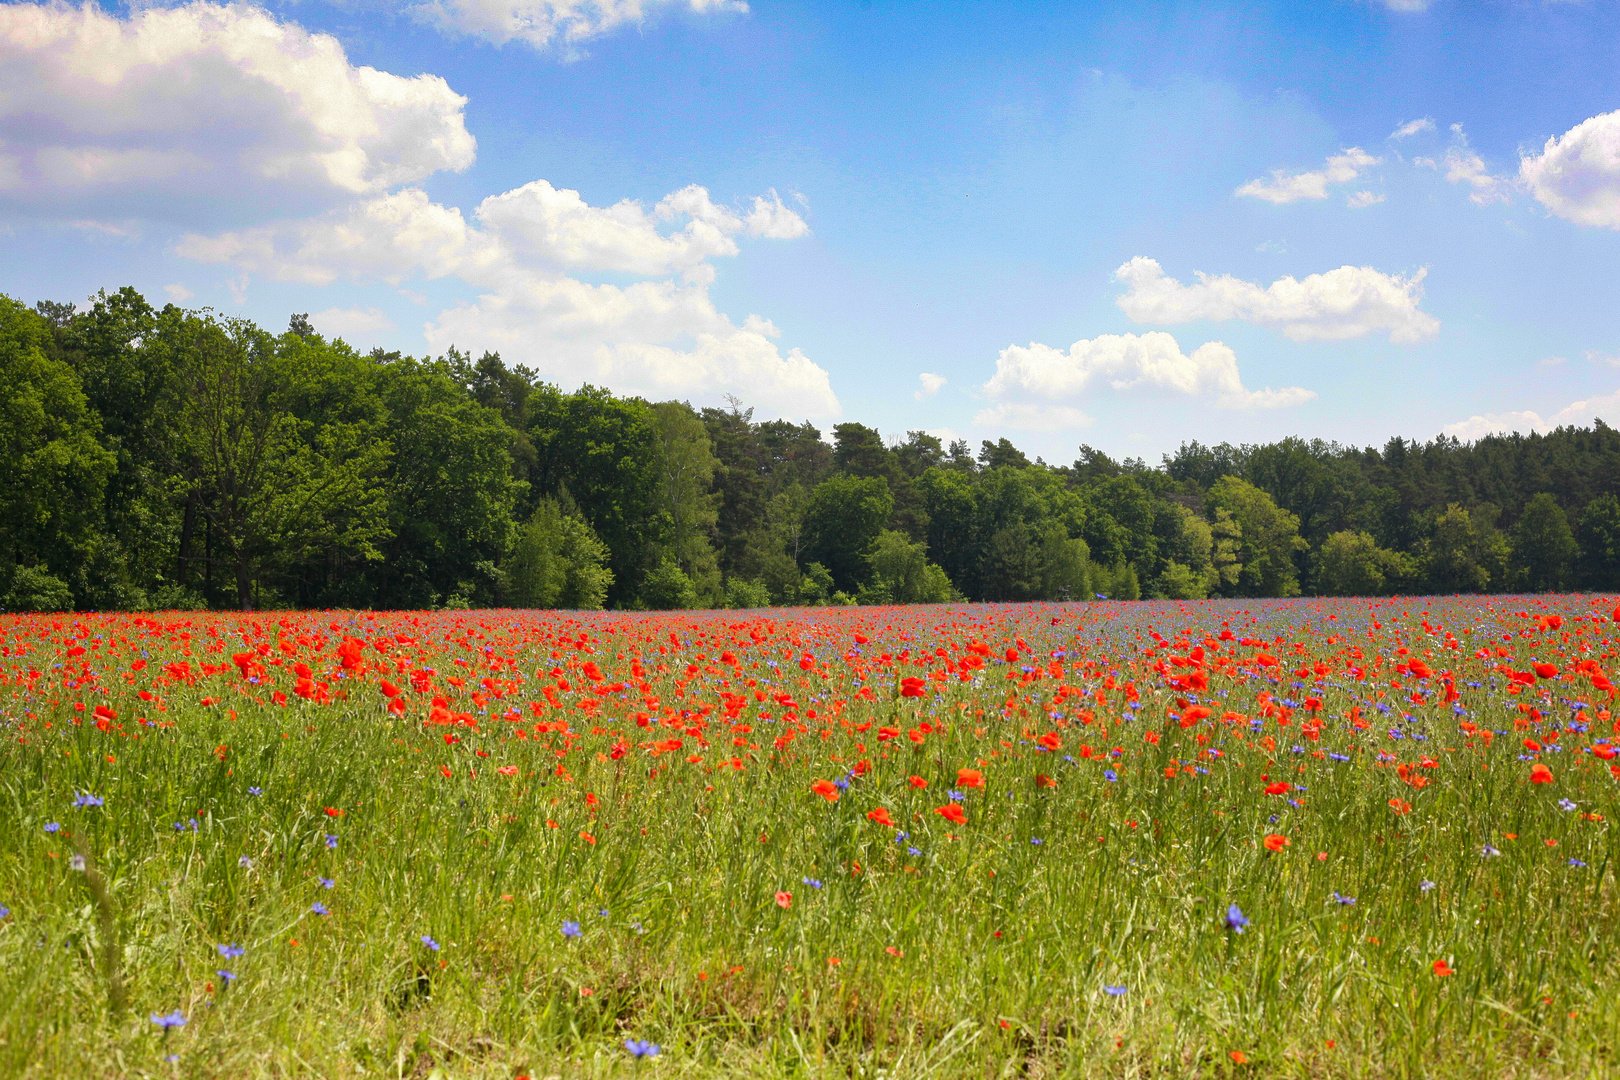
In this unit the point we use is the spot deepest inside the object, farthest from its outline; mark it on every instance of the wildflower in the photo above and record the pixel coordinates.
(227, 976)
(4, 911)
(1344, 900)
(87, 800)
(331, 841)
(913, 851)
(1275, 842)
(917, 782)
(970, 778)
(326, 882)
(955, 796)
(173, 1020)
(1489, 852)
(1235, 919)
(1576, 863)
(640, 1048)
(319, 908)
(1565, 804)
(812, 882)
(430, 943)
(255, 791)
(1113, 991)
(826, 790)
(230, 952)
(76, 863)
(52, 826)
(1540, 774)
(245, 862)
(1111, 776)
(570, 929)
(1239, 1057)
(1425, 885)
(952, 813)
(1442, 969)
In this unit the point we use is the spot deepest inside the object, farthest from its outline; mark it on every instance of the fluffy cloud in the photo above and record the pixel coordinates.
(546, 22)
(1578, 412)
(1363, 199)
(349, 322)
(1286, 187)
(171, 108)
(1127, 362)
(1412, 127)
(656, 337)
(1340, 304)
(1577, 174)
(931, 385)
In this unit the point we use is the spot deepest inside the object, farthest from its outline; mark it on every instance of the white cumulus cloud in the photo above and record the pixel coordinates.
(350, 322)
(1287, 187)
(522, 251)
(1580, 413)
(1363, 199)
(543, 23)
(174, 108)
(1577, 174)
(931, 385)
(1339, 304)
(1128, 362)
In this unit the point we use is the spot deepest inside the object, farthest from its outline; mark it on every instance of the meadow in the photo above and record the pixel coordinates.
(1303, 838)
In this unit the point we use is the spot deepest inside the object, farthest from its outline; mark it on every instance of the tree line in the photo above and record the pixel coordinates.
(181, 459)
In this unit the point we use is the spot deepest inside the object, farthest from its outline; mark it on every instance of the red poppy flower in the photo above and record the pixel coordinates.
(1540, 774)
(952, 813)
(826, 789)
(970, 778)
(881, 816)
(1275, 842)
(1442, 969)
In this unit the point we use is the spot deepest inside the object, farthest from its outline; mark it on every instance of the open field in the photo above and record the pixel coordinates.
(1223, 838)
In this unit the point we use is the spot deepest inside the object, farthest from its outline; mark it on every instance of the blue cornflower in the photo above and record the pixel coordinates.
(1036, 840)
(913, 851)
(319, 908)
(230, 952)
(1489, 851)
(1425, 885)
(1111, 776)
(812, 882)
(331, 841)
(326, 882)
(173, 1020)
(430, 943)
(227, 976)
(1565, 804)
(245, 862)
(1236, 920)
(640, 1048)
(956, 796)
(900, 837)
(52, 826)
(1345, 900)
(1338, 757)
(255, 791)
(842, 784)
(570, 929)
(4, 911)
(87, 800)
(1576, 862)
(1113, 991)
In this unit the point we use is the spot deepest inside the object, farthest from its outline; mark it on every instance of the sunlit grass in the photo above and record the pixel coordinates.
(923, 949)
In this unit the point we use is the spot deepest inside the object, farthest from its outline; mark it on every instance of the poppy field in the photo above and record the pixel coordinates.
(1311, 838)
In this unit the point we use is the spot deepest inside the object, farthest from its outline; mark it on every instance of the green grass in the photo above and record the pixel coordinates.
(1004, 945)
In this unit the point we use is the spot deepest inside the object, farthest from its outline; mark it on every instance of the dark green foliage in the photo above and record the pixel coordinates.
(842, 522)
(180, 459)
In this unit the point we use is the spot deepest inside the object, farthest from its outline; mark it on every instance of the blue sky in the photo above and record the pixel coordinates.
(975, 219)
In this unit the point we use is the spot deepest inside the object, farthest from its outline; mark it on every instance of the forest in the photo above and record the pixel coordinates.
(180, 459)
